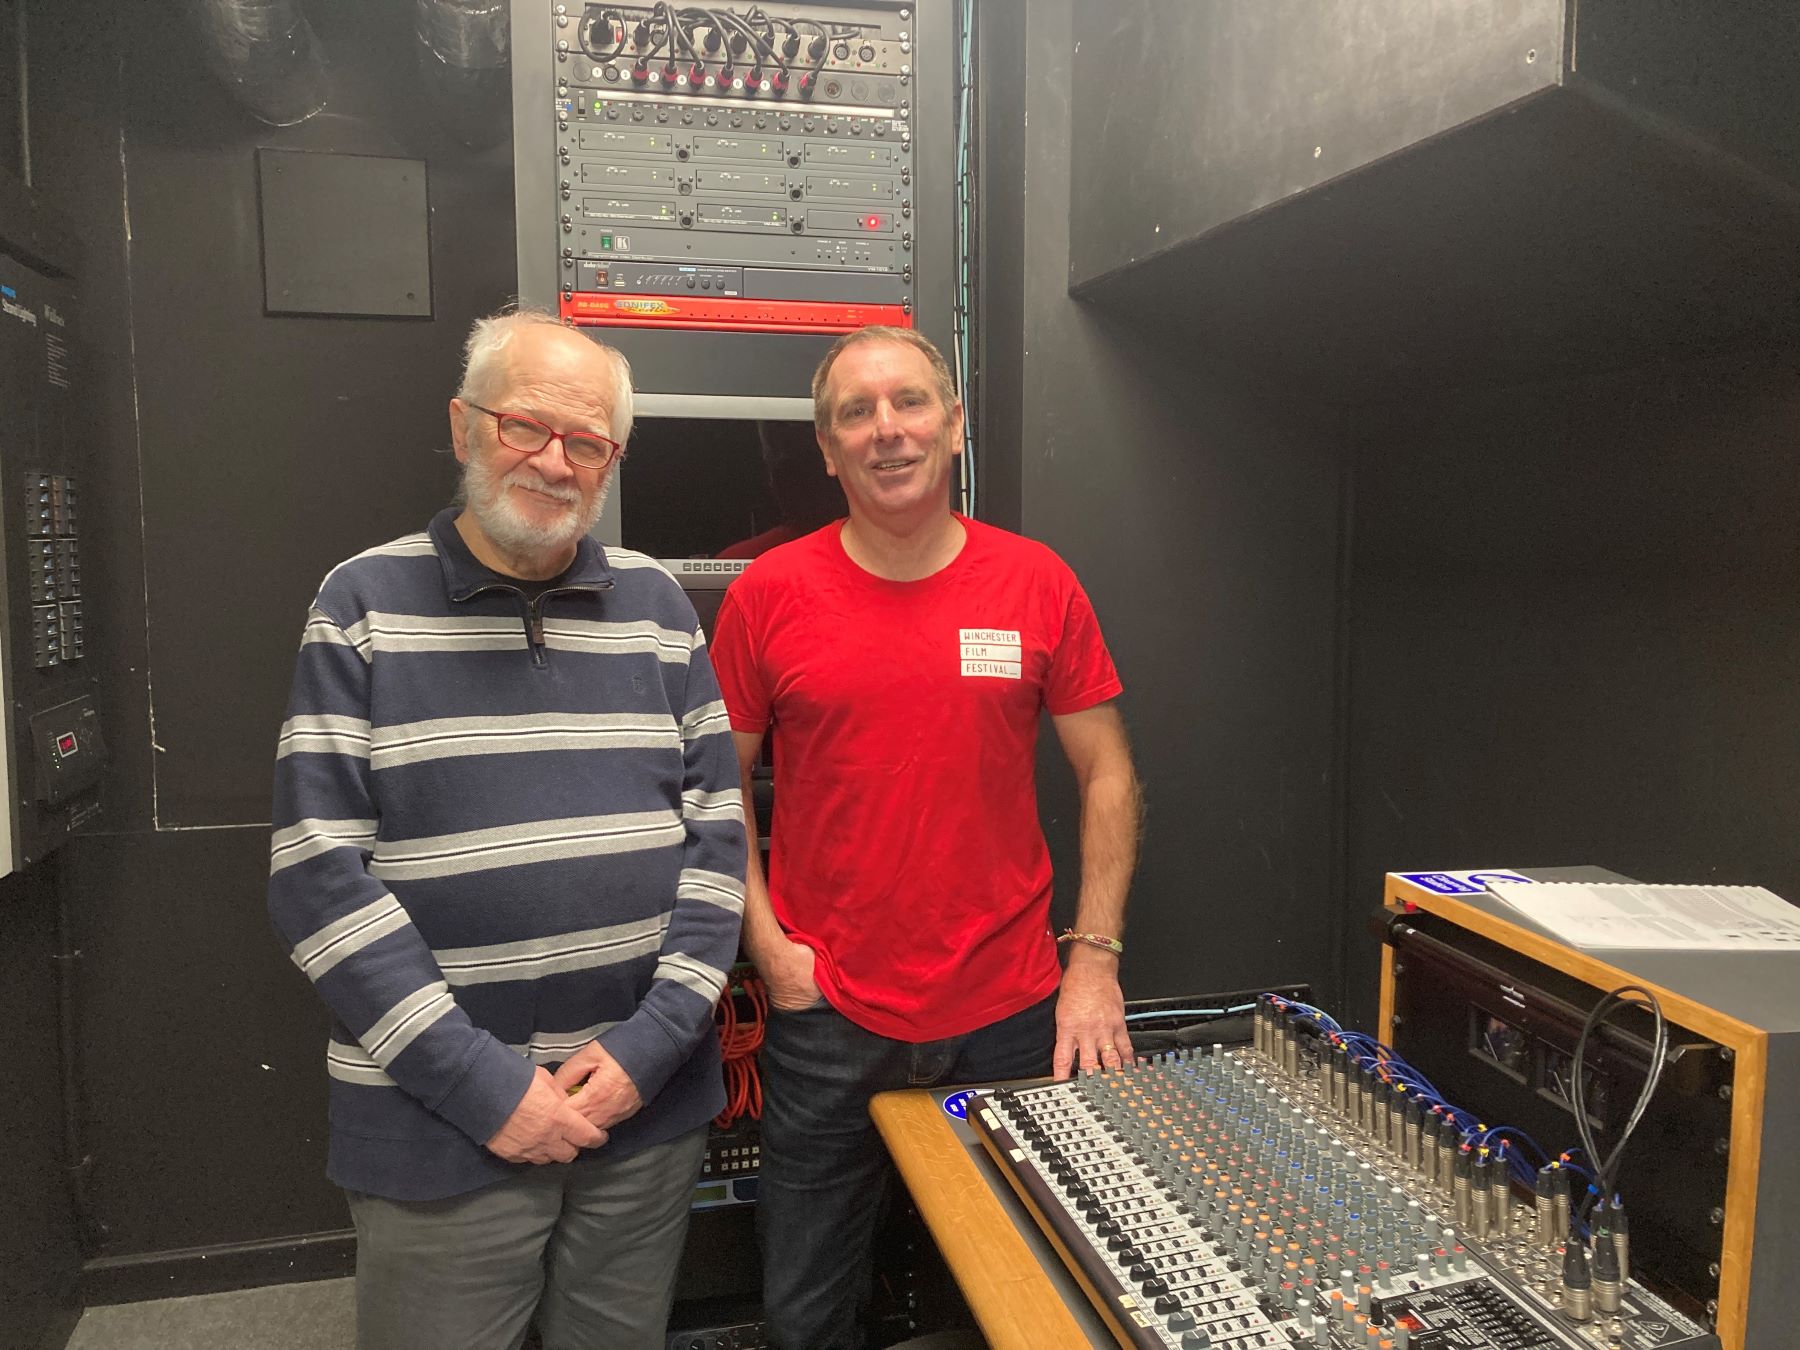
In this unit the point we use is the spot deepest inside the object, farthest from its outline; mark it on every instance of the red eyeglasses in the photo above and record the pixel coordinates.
(529, 436)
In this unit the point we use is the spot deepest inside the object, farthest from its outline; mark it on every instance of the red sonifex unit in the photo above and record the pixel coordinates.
(746, 316)
(728, 171)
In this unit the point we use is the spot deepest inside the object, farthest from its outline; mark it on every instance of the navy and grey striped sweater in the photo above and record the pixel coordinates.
(503, 829)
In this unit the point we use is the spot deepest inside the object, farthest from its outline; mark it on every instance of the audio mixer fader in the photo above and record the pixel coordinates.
(1229, 1199)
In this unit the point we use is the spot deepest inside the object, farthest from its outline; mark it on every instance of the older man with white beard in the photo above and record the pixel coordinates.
(509, 854)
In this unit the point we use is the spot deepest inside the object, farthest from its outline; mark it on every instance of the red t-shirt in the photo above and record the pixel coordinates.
(906, 849)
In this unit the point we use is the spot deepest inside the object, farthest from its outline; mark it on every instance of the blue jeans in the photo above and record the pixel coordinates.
(824, 1171)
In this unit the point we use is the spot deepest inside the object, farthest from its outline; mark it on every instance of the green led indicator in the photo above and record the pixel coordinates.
(606, 241)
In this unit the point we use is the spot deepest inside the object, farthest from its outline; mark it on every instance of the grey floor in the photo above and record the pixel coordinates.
(316, 1316)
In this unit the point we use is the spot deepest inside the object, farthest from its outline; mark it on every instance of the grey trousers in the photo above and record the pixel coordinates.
(591, 1246)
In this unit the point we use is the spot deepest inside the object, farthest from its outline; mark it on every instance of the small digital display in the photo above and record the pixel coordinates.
(712, 1194)
(694, 487)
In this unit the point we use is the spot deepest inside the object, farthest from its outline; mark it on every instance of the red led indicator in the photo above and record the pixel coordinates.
(873, 222)
(65, 743)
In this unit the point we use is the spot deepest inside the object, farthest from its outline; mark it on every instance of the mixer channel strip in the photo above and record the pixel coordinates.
(1219, 1199)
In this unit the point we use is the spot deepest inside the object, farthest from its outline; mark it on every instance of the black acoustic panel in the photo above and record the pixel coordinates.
(1576, 614)
(1189, 116)
(1561, 236)
(1725, 73)
(203, 1050)
(315, 439)
(344, 234)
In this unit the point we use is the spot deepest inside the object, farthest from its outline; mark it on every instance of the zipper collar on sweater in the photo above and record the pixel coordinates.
(466, 577)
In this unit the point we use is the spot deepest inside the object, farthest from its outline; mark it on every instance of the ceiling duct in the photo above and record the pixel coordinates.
(465, 61)
(266, 53)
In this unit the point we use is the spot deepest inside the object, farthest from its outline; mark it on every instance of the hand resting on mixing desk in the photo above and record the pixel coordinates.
(1090, 1014)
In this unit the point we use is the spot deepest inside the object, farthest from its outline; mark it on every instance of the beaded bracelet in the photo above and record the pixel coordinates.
(1100, 940)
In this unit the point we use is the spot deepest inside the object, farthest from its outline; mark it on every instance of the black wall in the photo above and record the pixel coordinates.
(234, 459)
(39, 1251)
(1561, 630)
(1576, 619)
(1202, 514)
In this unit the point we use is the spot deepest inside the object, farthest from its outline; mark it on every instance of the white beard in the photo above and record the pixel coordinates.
(510, 529)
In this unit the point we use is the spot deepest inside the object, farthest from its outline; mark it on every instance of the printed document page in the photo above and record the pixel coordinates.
(1673, 918)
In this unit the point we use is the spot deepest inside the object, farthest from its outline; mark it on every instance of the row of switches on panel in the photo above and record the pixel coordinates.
(49, 504)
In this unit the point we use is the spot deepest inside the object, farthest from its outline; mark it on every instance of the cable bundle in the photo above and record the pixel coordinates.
(740, 1037)
(1599, 1175)
(1606, 1169)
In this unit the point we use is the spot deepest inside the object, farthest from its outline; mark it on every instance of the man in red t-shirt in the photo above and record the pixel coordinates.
(903, 658)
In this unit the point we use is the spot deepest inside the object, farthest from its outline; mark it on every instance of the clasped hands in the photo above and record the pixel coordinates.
(549, 1125)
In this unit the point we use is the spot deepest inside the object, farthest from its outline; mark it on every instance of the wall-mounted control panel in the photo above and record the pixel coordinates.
(54, 749)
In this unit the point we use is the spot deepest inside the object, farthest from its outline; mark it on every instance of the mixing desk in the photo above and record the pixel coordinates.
(1260, 1198)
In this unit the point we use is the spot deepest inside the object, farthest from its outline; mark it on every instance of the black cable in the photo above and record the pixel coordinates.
(824, 41)
(695, 16)
(736, 22)
(1606, 1169)
(585, 31)
(667, 10)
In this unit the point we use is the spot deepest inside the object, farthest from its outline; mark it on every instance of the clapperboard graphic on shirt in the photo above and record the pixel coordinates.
(991, 652)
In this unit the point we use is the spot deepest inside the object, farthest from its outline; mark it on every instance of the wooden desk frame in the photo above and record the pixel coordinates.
(1015, 1305)
(1750, 1046)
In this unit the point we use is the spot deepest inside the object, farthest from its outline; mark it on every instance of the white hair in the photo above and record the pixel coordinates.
(483, 371)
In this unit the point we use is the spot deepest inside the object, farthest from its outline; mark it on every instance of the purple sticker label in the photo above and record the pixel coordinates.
(1460, 883)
